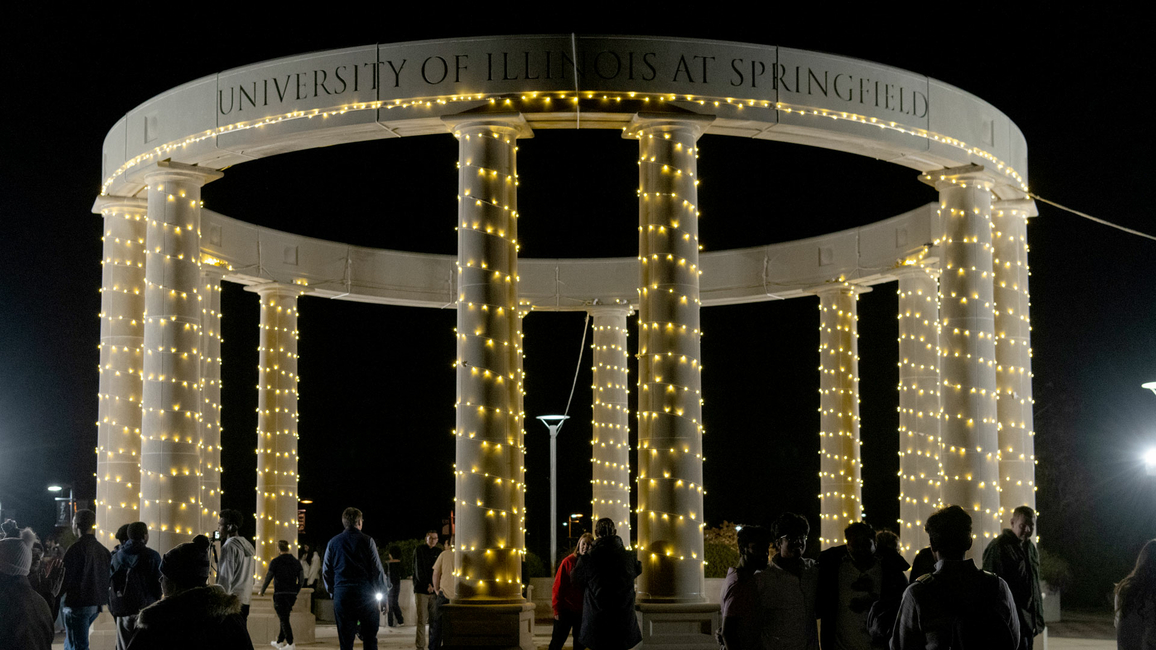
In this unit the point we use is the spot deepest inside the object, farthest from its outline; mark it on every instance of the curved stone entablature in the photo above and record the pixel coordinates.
(864, 256)
(565, 82)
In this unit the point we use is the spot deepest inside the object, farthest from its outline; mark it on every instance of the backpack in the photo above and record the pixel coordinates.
(128, 592)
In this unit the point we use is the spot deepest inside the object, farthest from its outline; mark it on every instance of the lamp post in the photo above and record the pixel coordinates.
(71, 503)
(570, 525)
(1150, 455)
(554, 424)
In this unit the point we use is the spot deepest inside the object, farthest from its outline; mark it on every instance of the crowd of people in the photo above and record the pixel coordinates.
(856, 596)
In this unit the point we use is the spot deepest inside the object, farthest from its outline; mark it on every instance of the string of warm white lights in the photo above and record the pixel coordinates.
(276, 422)
(1013, 355)
(539, 101)
(210, 394)
(670, 492)
(490, 469)
(840, 464)
(967, 338)
(121, 337)
(610, 428)
(920, 445)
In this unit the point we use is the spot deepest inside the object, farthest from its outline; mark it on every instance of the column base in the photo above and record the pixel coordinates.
(488, 627)
(684, 626)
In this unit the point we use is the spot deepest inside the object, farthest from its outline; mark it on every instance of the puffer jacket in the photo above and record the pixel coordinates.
(607, 573)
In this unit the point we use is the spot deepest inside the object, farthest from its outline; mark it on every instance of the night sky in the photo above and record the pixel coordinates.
(377, 386)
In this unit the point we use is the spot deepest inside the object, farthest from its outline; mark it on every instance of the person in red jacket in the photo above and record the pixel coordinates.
(567, 598)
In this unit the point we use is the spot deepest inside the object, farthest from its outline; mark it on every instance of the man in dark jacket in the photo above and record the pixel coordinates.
(353, 574)
(191, 616)
(424, 592)
(25, 620)
(287, 576)
(85, 585)
(1013, 557)
(607, 574)
(136, 569)
(851, 578)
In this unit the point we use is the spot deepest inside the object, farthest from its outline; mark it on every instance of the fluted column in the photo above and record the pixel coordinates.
(276, 421)
(610, 441)
(920, 446)
(122, 296)
(840, 467)
(489, 454)
(670, 490)
(967, 338)
(1013, 356)
(210, 396)
(171, 417)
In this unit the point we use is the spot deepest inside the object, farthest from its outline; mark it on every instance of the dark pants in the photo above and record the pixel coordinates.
(435, 620)
(394, 606)
(356, 613)
(565, 622)
(245, 613)
(125, 629)
(283, 605)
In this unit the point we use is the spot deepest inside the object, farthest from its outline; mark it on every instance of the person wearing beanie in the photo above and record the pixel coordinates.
(191, 615)
(85, 585)
(25, 619)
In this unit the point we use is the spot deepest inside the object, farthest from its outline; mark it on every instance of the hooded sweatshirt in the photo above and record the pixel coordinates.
(235, 570)
(202, 617)
(141, 558)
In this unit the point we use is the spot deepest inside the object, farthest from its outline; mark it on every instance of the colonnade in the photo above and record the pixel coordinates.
(965, 432)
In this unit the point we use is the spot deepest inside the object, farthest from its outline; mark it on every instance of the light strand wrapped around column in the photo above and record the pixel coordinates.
(276, 422)
(210, 394)
(840, 465)
(489, 467)
(1013, 356)
(967, 339)
(920, 445)
(171, 412)
(122, 297)
(610, 440)
(670, 490)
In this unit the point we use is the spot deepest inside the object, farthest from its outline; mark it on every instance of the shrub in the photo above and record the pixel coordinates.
(533, 567)
(1055, 570)
(408, 546)
(721, 548)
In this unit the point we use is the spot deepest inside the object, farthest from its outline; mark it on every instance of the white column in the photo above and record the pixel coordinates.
(610, 440)
(210, 396)
(490, 457)
(121, 336)
(840, 467)
(170, 423)
(967, 338)
(670, 490)
(920, 446)
(1013, 357)
(276, 421)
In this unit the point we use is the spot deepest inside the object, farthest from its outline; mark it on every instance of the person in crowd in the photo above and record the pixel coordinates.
(85, 586)
(423, 589)
(923, 564)
(191, 615)
(1136, 603)
(566, 598)
(135, 578)
(121, 536)
(235, 565)
(739, 601)
(9, 529)
(443, 579)
(353, 573)
(25, 619)
(310, 565)
(393, 572)
(788, 589)
(959, 606)
(1014, 557)
(850, 577)
(881, 616)
(287, 577)
(46, 578)
(606, 573)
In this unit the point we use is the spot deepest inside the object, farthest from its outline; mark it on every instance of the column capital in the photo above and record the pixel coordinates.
(649, 123)
(210, 268)
(925, 269)
(163, 170)
(609, 310)
(510, 123)
(837, 287)
(277, 287)
(130, 204)
(971, 174)
(1027, 206)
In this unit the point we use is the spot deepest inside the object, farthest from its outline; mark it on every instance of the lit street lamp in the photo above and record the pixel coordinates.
(1150, 455)
(554, 424)
(71, 512)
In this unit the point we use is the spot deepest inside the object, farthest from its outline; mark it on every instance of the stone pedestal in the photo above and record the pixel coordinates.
(264, 624)
(488, 627)
(679, 626)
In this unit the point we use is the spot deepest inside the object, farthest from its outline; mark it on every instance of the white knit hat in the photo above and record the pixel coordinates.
(16, 553)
